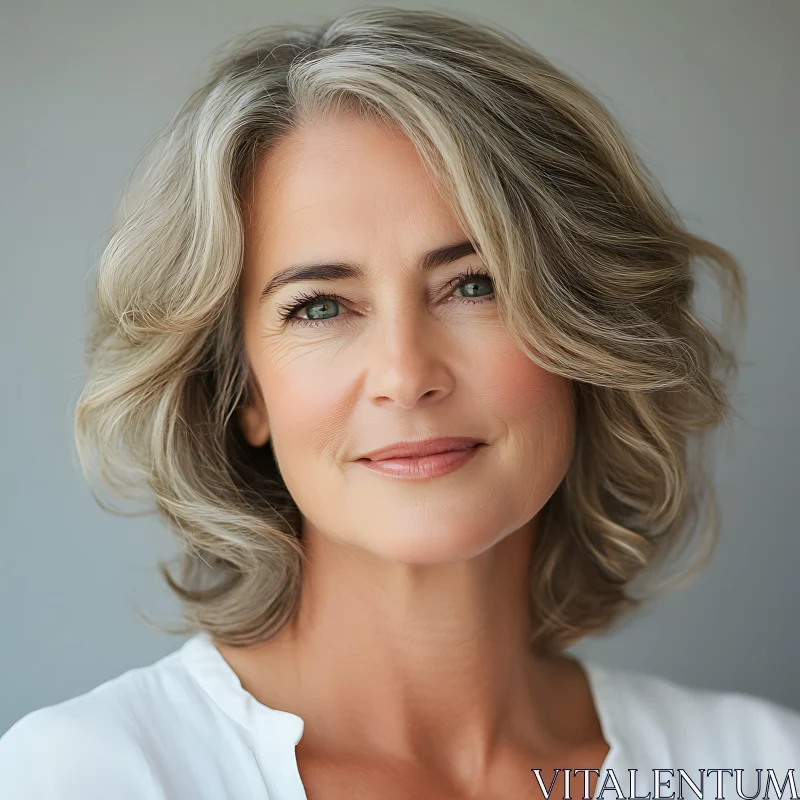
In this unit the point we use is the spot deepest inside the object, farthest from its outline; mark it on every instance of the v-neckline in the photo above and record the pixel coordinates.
(276, 733)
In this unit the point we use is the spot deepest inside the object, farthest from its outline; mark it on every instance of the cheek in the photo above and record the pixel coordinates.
(524, 391)
(536, 409)
(306, 398)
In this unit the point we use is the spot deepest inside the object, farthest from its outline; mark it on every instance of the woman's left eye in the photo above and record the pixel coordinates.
(320, 303)
(473, 279)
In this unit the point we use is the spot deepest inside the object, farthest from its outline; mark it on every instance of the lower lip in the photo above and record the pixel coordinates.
(417, 469)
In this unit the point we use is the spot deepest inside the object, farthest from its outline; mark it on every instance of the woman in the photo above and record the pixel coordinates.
(398, 332)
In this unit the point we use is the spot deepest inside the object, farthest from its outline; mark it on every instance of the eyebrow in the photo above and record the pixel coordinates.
(344, 269)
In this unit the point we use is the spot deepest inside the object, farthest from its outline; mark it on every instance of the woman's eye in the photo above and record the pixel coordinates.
(322, 309)
(472, 285)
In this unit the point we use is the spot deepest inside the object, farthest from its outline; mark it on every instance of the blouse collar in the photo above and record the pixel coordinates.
(280, 731)
(222, 684)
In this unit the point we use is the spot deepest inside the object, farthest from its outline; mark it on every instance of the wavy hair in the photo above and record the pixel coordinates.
(593, 272)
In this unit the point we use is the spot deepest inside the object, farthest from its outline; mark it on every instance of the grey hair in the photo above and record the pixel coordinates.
(592, 268)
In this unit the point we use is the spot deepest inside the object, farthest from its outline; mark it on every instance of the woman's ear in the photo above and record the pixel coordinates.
(252, 417)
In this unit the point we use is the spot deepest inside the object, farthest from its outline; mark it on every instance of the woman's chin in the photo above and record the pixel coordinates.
(426, 546)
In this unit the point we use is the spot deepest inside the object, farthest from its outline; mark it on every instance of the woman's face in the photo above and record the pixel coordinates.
(401, 353)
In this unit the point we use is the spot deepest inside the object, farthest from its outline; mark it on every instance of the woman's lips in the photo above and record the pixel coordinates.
(424, 467)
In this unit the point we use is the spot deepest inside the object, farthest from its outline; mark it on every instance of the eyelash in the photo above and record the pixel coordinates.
(286, 312)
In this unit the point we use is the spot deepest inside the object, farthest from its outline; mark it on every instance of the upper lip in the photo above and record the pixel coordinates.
(424, 447)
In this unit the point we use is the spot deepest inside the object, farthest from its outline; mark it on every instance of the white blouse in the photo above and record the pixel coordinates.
(183, 728)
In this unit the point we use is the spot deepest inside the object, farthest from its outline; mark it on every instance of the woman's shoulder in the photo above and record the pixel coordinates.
(72, 749)
(106, 742)
(692, 724)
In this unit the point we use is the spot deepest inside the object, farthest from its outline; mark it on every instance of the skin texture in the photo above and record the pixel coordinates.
(407, 659)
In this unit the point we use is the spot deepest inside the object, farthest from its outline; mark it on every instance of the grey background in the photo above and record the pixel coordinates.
(708, 93)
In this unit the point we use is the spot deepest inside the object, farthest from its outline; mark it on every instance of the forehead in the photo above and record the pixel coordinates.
(343, 186)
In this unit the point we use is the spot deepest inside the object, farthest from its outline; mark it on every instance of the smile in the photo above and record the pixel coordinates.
(423, 467)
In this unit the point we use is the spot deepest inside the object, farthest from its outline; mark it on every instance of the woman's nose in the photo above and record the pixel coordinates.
(407, 360)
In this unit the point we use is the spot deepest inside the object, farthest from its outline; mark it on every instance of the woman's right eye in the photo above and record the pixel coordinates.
(315, 299)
